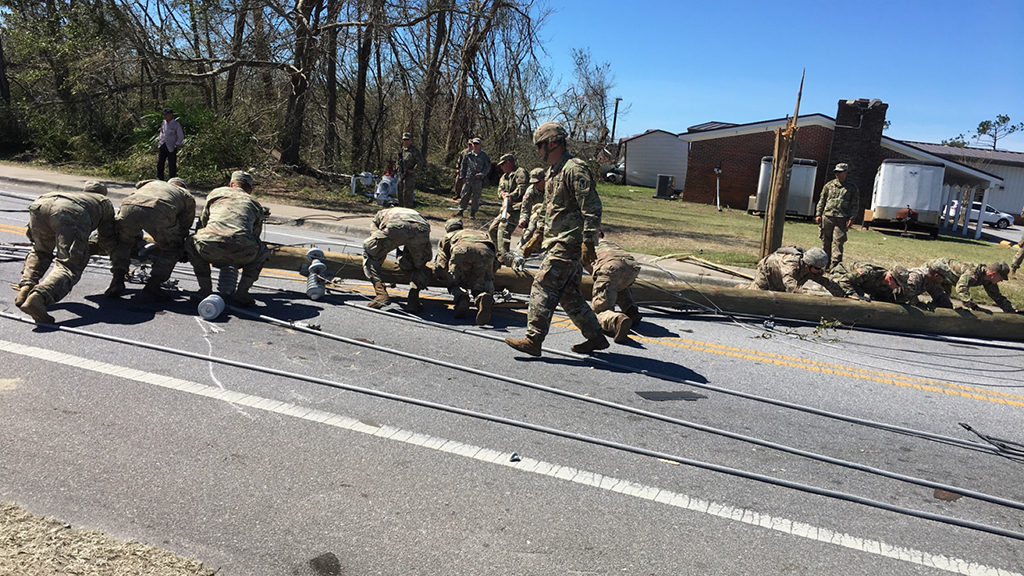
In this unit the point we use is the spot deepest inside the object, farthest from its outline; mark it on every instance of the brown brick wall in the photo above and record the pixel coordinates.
(741, 164)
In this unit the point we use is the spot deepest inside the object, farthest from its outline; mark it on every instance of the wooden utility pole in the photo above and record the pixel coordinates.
(778, 192)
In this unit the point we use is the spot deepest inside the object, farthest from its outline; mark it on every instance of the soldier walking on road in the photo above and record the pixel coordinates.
(229, 235)
(572, 219)
(475, 168)
(837, 208)
(62, 221)
(790, 267)
(164, 209)
(961, 276)
(465, 261)
(409, 159)
(394, 228)
(614, 272)
(512, 190)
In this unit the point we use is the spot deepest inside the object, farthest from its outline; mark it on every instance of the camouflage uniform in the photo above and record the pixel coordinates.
(614, 272)
(409, 159)
(473, 164)
(961, 276)
(838, 204)
(535, 224)
(465, 260)
(229, 235)
(1019, 256)
(784, 271)
(394, 228)
(865, 281)
(515, 184)
(922, 280)
(572, 215)
(64, 221)
(166, 212)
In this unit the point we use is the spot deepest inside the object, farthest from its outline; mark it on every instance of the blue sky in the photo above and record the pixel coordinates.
(942, 66)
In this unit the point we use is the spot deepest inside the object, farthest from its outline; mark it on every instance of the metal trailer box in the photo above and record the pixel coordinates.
(900, 184)
(801, 186)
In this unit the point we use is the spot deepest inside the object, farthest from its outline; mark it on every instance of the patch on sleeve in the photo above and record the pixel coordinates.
(582, 182)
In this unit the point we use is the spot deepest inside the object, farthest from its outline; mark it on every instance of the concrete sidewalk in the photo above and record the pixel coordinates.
(346, 224)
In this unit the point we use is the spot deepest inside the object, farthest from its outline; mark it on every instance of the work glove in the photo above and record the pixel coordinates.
(589, 255)
(532, 245)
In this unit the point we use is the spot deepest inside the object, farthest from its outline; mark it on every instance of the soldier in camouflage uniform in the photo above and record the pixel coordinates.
(164, 209)
(394, 228)
(1019, 256)
(532, 214)
(409, 159)
(62, 221)
(925, 279)
(866, 281)
(961, 276)
(229, 235)
(475, 167)
(837, 208)
(789, 268)
(614, 272)
(512, 190)
(465, 261)
(572, 218)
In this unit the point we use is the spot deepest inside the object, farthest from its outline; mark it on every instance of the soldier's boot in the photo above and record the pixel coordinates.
(483, 309)
(35, 306)
(381, 300)
(414, 305)
(462, 305)
(526, 345)
(598, 342)
(23, 293)
(241, 295)
(205, 288)
(153, 291)
(634, 316)
(117, 286)
(622, 326)
(459, 214)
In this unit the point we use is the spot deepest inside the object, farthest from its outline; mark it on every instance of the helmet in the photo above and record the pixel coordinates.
(549, 131)
(453, 224)
(95, 187)
(816, 257)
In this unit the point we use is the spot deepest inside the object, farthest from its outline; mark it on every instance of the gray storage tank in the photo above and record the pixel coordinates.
(800, 201)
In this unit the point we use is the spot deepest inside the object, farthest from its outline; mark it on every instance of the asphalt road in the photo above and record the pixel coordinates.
(409, 444)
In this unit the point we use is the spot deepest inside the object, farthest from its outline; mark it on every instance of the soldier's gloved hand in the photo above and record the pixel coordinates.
(532, 245)
(589, 254)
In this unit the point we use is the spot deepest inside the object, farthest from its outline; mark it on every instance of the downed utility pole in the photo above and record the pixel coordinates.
(778, 191)
(849, 312)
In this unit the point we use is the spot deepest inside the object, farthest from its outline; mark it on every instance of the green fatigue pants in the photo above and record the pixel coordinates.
(501, 231)
(243, 251)
(62, 225)
(416, 240)
(611, 287)
(472, 270)
(558, 282)
(471, 195)
(407, 191)
(833, 236)
(162, 224)
(1018, 257)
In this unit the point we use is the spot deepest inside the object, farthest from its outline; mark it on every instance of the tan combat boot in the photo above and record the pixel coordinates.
(483, 309)
(381, 299)
(622, 326)
(598, 342)
(23, 293)
(117, 286)
(241, 295)
(526, 345)
(414, 304)
(462, 305)
(35, 306)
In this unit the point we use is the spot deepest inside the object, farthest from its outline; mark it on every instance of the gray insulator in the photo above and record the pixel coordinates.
(316, 286)
(314, 254)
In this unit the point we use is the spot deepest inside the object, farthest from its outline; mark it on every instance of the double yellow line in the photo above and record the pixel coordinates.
(19, 230)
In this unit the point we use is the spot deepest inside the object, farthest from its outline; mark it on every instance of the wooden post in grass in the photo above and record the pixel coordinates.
(778, 192)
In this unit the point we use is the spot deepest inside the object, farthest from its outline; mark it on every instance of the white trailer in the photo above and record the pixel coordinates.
(800, 201)
(908, 193)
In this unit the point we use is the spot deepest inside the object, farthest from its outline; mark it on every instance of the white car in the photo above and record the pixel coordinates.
(993, 217)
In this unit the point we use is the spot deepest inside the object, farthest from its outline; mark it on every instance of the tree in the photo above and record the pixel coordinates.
(988, 134)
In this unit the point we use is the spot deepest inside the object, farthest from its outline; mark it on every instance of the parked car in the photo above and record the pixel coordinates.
(993, 217)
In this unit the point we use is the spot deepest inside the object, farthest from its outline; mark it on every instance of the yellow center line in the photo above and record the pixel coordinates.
(13, 229)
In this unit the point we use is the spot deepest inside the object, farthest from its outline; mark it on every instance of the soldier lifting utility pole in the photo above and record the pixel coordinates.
(778, 192)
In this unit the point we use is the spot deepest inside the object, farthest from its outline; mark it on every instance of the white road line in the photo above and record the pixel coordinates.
(582, 477)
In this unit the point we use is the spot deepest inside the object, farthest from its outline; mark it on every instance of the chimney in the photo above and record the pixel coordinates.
(858, 142)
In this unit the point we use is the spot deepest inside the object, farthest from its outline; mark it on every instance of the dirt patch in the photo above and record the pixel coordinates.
(31, 545)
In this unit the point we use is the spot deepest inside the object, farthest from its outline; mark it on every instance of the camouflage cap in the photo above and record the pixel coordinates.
(816, 257)
(536, 175)
(95, 187)
(453, 224)
(242, 176)
(407, 136)
(506, 157)
(1002, 268)
(901, 275)
(842, 167)
(549, 131)
(178, 182)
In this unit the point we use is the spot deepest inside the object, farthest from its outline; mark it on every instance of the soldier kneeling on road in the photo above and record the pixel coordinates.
(614, 272)
(465, 261)
(870, 282)
(790, 267)
(394, 228)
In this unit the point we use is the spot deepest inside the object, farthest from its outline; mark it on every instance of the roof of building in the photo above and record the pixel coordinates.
(968, 153)
(652, 131)
(709, 126)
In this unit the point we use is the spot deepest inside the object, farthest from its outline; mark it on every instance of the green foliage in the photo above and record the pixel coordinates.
(988, 134)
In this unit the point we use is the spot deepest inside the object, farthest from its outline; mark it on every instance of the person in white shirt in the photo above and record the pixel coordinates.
(171, 138)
